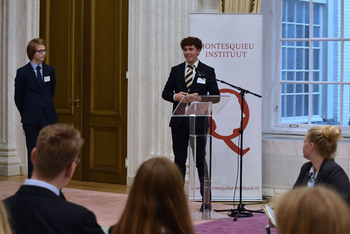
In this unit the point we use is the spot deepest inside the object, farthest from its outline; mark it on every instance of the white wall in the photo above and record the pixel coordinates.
(19, 23)
(155, 31)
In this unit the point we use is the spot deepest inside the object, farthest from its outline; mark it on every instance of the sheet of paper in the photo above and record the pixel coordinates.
(269, 211)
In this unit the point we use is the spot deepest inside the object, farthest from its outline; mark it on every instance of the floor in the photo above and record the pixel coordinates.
(107, 202)
(94, 186)
(123, 189)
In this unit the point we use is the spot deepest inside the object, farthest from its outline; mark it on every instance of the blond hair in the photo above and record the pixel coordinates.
(58, 145)
(4, 223)
(325, 139)
(313, 210)
(157, 201)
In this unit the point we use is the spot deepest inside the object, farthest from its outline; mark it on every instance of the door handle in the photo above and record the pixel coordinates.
(76, 102)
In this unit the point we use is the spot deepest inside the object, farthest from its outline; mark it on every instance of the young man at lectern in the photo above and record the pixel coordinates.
(184, 82)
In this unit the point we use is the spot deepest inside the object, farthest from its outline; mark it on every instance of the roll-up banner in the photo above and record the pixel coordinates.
(232, 45)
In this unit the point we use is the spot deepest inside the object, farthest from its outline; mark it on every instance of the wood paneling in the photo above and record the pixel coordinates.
(87, 43)
(106, 29)
(61, 24)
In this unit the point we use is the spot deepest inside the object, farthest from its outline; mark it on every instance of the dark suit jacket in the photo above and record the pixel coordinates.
(29, 96)
(38, 210)
(176, 83)
(330, 174)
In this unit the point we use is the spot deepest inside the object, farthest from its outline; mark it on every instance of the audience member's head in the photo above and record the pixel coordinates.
(57, 149)
(313, 210)
(157, 201)
(325, 139)
(4, 223)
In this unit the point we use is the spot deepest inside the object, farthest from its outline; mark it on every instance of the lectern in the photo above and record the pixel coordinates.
(199, 110)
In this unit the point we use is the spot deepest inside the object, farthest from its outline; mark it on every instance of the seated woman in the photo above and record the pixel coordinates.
(312, 211)
(320, 145)
(156, 202)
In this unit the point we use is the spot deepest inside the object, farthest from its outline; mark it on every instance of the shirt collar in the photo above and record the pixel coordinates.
(34, 65)
(311, 172)
(42, 184)
(196, 63)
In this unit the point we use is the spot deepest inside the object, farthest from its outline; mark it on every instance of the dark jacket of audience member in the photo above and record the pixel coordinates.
(36, 207)
(320, 145)
(330, 174)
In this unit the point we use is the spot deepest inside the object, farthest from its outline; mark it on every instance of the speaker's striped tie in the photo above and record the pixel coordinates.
(189, 76)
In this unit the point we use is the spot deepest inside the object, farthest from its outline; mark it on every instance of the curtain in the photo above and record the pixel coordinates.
(241, 6)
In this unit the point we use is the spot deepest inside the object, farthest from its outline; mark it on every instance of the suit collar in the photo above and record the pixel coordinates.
(34, 65)
(36, 190)
(180, 69)
(42, 184)
(195, 64)
(33, 73)
(31, 69)
(324, 163)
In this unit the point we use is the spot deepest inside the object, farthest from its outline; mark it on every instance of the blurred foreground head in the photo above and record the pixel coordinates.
(312, 211)
(157, 201)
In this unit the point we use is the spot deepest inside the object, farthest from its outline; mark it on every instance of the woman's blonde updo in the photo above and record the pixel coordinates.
(325, 139)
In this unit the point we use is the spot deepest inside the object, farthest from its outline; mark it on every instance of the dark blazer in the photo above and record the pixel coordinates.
(36, 210)
(30, 97)
(330, 174)
(176, 83)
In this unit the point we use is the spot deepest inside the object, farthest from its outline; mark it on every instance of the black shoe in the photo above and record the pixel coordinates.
(206, 206)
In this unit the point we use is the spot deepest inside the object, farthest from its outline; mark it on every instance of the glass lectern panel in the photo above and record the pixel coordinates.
(199, 111)
(207, 105)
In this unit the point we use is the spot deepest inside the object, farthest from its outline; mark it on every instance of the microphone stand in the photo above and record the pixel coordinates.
(240, 212)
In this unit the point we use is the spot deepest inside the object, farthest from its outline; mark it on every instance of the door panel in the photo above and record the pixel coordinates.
(87, 43)
(105, 116)
(58, 21)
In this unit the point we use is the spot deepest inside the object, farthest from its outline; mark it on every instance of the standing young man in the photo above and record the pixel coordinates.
(34, 92)
(183, 82)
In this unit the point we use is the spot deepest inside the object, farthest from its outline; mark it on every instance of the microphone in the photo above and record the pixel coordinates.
(200, 74)
(203, 75)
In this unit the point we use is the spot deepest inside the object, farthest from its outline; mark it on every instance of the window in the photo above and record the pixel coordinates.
(314, 72)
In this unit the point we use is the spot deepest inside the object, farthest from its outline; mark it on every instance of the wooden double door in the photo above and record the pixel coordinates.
(87, 45)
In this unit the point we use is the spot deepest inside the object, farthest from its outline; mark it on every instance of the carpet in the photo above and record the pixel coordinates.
(251, 225)
(108, 208)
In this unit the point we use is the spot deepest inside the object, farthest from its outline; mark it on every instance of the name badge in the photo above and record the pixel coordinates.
(46, 78)
(200, 81)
